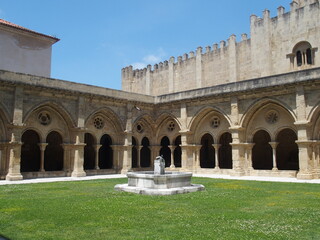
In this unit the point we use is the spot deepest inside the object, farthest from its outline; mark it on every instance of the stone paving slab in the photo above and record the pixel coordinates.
(110, 176)
(258, 178)
(62, 179)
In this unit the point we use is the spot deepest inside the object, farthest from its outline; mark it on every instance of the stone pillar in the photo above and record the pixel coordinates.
(127, 154)
(197, 156)
(238, 150)
(274, 155)
(67, 166)
(79, 145)
(14, 155)
(248, 155)
(305, 159)
(139, 156)
(42, 149)
(172, 148)
(155, 151)
(216, 151)
(317, 159)
(117, 149)
(304, 144)
(127, 147)
(97, 148)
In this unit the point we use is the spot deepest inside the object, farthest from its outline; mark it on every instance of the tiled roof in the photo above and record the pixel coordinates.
(9, 24)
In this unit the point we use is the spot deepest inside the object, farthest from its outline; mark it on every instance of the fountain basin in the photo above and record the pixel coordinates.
(149, 183)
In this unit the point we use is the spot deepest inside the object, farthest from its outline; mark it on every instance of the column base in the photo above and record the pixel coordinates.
(304, 175)
(78, 174)
(124, 171)
(14, 177)
(238, 172)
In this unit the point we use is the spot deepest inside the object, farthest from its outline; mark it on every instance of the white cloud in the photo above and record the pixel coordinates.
(150, 59)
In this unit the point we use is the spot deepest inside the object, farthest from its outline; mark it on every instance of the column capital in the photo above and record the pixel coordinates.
(216, 146)
(42, 146)
(273, 144)
(304, 142)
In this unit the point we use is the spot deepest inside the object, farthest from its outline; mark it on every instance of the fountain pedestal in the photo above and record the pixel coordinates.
(159, 182)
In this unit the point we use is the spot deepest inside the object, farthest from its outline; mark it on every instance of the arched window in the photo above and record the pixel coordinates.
(30, 152)
(302, 54)
(145, 154)
(89, 152)
(287, 150)
(134, 153)
(299, 58)
(225, 151)
(105, 152)
(262, 151)
(53, 155)
(177, 152)
(207, 152)
(165, 150)
(309, 56)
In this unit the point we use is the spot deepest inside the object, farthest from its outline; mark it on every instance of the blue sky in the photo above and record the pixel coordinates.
(100, 37)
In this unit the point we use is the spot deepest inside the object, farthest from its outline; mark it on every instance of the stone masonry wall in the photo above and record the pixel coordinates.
(269, 51)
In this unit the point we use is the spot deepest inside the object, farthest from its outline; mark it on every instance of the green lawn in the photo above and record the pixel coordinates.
(227, 209)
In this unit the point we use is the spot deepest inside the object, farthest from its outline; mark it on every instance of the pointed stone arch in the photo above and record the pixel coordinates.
(203, 112)
(142, 127)
(57, 107)
(257, 105)
(269, 115)
(209, 120)
(167, 125)
(105, 121)
(314, 118)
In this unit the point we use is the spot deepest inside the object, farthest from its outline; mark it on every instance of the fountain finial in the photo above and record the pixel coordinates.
(159, 165)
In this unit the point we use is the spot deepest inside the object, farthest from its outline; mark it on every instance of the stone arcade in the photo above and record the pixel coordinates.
(244, 108)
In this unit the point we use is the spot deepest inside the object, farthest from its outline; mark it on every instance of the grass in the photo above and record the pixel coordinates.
(225, 210)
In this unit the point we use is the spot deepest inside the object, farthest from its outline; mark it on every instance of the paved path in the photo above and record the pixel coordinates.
(250, 178)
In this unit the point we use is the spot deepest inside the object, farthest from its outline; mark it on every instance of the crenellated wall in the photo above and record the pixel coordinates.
(269, 51)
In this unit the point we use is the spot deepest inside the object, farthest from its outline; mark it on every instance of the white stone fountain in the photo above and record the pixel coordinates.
(159, 182)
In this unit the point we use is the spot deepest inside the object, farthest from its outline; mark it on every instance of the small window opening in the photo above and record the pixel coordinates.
(299, 59)
(309, 56)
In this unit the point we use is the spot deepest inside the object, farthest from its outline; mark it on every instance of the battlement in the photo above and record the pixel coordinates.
(265, 53)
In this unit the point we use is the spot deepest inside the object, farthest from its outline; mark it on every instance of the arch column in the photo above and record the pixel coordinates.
(127, 153)
(274, 155)
(316, 159)
(248, 155)
(172, 148)
(216, 152)
(42, 149)
(67, 165)
(238, 151)
(14, 147)
(117, 151)
(155, 151)
(196, 156)
(96, 160)
(79, 145)
(139, 156)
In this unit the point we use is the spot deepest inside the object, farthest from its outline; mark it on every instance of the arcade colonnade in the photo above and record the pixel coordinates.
(275, 134)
